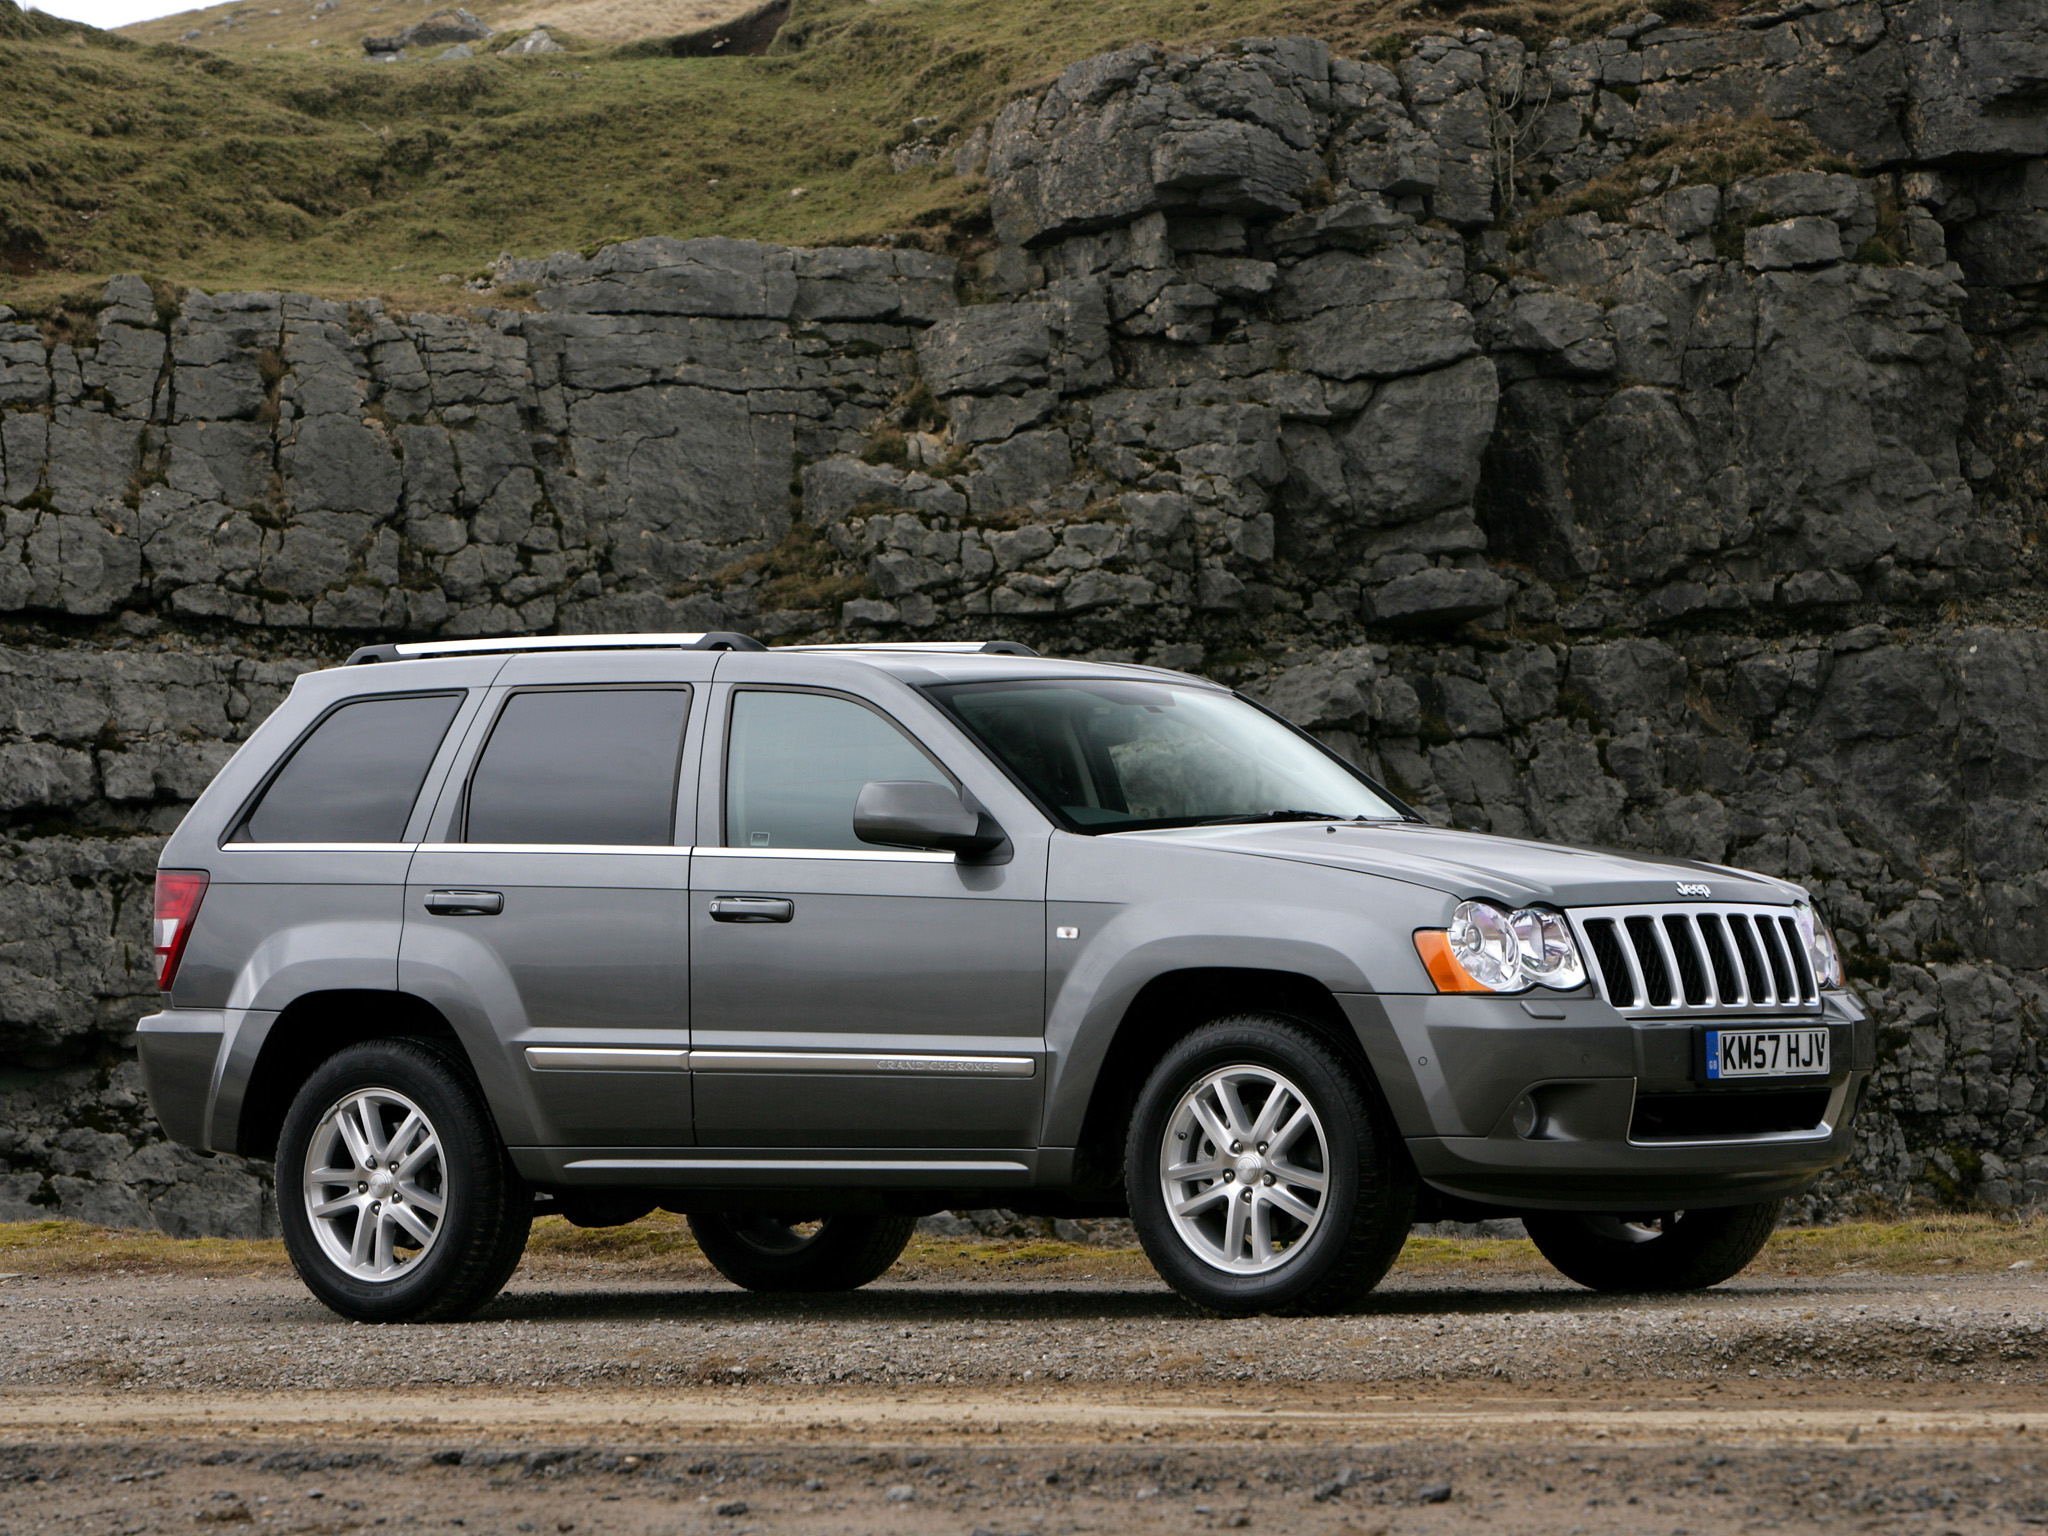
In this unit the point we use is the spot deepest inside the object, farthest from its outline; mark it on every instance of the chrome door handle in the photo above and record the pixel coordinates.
(751, 909)
(465, 903)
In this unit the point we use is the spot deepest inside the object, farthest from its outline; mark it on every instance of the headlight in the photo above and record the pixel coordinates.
(1549, 957)
(1486, 949)
(1821, 952)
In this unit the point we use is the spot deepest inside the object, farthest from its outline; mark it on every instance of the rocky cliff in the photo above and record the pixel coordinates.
(1633, 442)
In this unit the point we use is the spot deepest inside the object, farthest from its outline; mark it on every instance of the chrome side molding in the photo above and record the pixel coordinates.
(862, 1063)
(571, 1058)
(606, 1058)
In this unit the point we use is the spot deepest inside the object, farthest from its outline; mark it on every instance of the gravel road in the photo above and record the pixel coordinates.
(618, 1404)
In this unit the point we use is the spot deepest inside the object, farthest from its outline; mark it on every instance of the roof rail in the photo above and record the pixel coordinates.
(420, 650)
(930, 647)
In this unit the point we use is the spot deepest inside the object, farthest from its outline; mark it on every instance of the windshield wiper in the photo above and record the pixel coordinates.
(1251, 818)
(1243, 819)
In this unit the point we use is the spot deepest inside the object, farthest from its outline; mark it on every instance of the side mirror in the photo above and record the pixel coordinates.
(911, 813)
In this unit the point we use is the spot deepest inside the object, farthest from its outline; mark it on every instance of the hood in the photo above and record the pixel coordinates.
(1470, 865)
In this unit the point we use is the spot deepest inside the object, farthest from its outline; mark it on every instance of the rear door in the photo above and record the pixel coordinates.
(550, 908)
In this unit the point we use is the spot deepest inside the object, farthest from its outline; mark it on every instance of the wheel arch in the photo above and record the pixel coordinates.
(313, 1028)
(1168, 1008)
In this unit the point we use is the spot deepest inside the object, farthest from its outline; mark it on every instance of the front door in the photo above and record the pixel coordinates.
(556, 905)
(845, 995)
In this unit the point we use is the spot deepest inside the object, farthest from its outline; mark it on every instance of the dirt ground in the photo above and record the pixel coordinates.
(977, 1391)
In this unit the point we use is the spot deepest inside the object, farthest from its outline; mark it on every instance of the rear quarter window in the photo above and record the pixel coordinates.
(354, 777)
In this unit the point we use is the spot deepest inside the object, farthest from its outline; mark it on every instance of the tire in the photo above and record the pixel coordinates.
(470, 1247)
(770, 1253)
(1358, 1219)
(1682, 1251)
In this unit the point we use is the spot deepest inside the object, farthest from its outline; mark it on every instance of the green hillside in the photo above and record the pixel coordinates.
(293, 170)
(340, 25)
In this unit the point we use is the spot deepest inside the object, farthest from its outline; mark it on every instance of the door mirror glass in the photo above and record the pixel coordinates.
(913, 814)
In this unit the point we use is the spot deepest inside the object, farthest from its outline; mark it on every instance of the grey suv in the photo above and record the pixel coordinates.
(807, 942)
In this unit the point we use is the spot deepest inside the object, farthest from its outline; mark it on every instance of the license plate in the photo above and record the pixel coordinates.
(1766, 1053)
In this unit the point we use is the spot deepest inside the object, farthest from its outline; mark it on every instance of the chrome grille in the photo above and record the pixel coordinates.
(1701, 956)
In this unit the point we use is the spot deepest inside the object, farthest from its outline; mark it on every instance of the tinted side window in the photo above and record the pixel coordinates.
(569, 766)
(796, 764)
(354, 779)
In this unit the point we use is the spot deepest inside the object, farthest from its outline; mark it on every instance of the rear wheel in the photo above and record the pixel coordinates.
(1264, 1173)
(398, 1201)
(796, 1253)
(1677, 1251)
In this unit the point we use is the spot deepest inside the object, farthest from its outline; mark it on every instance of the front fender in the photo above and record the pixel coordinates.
(1139, 910)
(1094, 997)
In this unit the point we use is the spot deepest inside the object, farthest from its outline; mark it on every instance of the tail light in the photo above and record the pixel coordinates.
(178, 894)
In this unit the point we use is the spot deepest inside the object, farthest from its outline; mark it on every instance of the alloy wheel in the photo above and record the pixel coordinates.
(375, 1184)
(1245, 1169)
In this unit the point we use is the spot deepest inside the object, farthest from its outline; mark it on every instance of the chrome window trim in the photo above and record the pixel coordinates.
(317, 847)
(881, 856)
(665, 850)
(668, 850)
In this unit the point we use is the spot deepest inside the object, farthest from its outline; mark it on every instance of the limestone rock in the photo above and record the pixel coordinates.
(456, 26)
(537, 41)
(1436, 597)
(1806, 241)
(1705, 522)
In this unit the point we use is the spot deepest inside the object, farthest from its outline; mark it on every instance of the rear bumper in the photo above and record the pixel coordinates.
(180, 1054)
(1453, 1069)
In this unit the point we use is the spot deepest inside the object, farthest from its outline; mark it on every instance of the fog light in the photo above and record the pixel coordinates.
(1527, 1119)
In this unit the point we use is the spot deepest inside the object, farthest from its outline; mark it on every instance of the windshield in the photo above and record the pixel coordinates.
(1116, 756)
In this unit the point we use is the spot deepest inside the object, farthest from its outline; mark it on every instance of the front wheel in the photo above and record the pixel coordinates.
(397, 1199)
(794, 1253)
(1678, 1251)
(1264, 1173)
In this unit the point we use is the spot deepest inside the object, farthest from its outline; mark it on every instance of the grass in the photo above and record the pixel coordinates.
(801, 572)
(72, 1248)
(660, 1247)
(312, 170)
(1719, 150)
(656, 1247)
(238, 27)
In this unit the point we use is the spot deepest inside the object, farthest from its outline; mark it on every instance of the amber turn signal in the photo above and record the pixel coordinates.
(1434, 945)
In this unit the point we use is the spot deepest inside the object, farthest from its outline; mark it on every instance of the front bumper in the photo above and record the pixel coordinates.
(1453, 1069)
